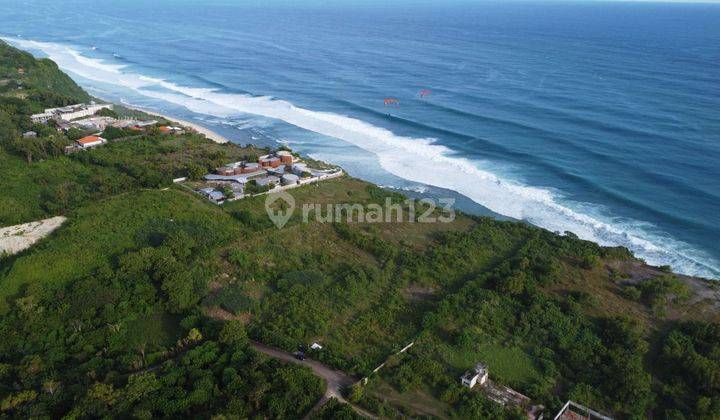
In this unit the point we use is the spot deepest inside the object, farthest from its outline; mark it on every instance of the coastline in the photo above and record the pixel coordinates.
(210, 134)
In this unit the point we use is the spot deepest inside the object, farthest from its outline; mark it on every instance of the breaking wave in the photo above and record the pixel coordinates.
(419, 160)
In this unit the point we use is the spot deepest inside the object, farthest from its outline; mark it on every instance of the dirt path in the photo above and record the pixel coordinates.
(14, 239)
(334, 379)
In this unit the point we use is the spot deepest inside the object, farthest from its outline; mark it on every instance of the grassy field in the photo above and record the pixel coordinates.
(507, 364)
(360, 309)
(27, 191)
(99, 232)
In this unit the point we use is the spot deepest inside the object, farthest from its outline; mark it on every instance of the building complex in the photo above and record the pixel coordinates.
(69, 113)
(277, 170)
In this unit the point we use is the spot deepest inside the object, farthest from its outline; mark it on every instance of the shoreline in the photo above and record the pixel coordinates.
(210, 134)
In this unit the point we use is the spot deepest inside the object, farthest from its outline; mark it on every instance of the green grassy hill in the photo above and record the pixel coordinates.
(38, 80)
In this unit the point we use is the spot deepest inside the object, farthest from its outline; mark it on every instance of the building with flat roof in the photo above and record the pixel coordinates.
(264, 182)
(94, 123)
(289, 179)
(240, 179)
(472, 378)
(70, 112)
(286, 157)
(41, 118)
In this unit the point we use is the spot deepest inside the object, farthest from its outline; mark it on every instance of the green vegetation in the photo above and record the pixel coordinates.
(143, 303)
(106, 112)
(509, 365)
(252, 187)
(36, 190)
(335, 410)
(659, 292)
(40, 82)
(691, 352)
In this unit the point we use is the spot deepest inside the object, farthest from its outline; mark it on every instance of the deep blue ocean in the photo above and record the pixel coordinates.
(598, 118)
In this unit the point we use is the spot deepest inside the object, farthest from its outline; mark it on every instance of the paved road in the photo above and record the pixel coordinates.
(334, 379)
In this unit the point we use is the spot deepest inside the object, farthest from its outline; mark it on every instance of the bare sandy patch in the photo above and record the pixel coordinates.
(14, 239)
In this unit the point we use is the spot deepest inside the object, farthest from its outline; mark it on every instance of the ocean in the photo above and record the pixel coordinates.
(598, 118)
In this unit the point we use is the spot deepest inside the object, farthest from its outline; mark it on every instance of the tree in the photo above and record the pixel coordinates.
(196, 172)
(335, 410)
(18, 399)
(107, 112)
(233, 334)
(74, 134)
(139, 387)
(227, 191)
(179, 288)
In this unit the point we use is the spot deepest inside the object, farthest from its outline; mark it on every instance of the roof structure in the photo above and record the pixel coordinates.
(574, 411)
(89, 140)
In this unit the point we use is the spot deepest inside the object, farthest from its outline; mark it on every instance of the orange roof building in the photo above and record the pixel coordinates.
(91, 141)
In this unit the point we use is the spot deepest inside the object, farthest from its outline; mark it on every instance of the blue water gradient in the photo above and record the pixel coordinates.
(599, 118)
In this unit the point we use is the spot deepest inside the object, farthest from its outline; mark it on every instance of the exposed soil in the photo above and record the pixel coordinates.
(14, 239)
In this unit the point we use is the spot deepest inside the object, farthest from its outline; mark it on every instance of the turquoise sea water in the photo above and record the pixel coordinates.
(598, 118)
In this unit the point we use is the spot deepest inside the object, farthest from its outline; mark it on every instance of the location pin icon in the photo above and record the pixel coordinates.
(279, 214)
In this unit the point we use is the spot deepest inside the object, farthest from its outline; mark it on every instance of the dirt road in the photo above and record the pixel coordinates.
(334, 379)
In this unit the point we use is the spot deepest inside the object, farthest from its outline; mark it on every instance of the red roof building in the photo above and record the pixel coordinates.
(91, 141)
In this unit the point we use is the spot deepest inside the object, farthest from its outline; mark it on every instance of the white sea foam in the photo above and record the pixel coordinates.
(421, 189)
(419, 160)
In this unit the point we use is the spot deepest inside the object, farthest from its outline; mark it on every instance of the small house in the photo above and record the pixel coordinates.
(299, 168)
(250, 167)
(269, 161)
(472, 378)
(265, 182)
(289, 179)
(286, 157)
(216, 197)
(91, 141)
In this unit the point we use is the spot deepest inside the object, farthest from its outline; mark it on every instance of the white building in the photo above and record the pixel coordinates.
(79, 111)
(69, 112)
(480, 375)
(94, 123)
(289, 179)
(91, 141)
(41, 118)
